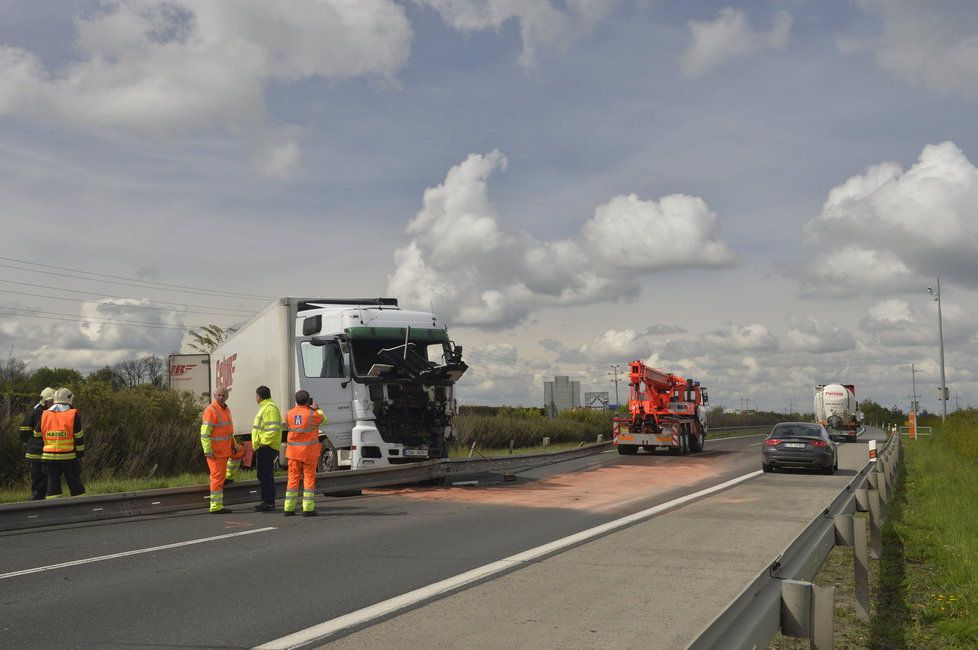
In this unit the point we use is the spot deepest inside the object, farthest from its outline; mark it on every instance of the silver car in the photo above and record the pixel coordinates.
(799, 444)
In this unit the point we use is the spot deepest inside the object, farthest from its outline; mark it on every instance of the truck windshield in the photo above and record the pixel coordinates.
(324, 361)
(365, 351)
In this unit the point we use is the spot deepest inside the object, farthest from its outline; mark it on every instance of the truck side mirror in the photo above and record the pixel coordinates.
(312, 325)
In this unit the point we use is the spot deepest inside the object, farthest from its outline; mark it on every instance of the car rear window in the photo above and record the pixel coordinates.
(796, 431)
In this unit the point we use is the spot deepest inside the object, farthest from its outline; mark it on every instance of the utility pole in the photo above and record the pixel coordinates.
(914, 406)
(940, 333)
(615, 371)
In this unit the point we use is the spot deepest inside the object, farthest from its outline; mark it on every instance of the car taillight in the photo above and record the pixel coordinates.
(819, 443)
(771, 442)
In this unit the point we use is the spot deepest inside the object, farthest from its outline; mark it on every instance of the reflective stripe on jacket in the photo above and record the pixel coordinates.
(303, 443)
(267, 429)
(30, 433)
(216, 430)
(61, 441)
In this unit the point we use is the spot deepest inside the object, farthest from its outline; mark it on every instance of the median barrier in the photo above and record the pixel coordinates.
(70, 510)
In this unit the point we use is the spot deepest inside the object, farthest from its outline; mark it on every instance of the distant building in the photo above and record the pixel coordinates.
(561, 394)
(597, 401)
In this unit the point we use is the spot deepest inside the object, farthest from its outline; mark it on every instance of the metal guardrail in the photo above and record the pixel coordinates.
(781, 597)
(32, 514)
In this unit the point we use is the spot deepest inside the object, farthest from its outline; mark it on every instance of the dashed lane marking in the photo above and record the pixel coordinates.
(64, 565)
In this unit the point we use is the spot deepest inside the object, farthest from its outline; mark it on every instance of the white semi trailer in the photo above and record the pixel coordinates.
(384, 376)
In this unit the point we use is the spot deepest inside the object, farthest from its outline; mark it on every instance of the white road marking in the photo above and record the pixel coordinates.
(329, 628)
(756, 444)
(100, 558)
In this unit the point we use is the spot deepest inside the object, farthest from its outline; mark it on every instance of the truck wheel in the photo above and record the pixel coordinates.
(684, 444)
(327, 460)
(627, 450)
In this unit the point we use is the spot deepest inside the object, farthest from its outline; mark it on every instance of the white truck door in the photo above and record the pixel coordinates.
(324, 371)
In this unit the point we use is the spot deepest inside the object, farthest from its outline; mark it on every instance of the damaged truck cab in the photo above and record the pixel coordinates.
(384, 376)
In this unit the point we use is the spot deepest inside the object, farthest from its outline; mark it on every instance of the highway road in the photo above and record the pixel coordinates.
(197, 580)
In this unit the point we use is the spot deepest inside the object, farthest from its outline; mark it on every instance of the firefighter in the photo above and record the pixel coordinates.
(266, 440)
(35, 444)
(217, 439)
(302, 450)
(63, 445)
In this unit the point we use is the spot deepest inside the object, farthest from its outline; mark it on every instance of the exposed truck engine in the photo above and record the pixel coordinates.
(837, 410)
(664, 410)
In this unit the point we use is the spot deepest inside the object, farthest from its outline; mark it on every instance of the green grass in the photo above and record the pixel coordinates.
(737, 433)
(538, 449)
(928, 596)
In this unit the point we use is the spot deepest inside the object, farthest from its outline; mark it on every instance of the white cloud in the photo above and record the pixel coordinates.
(542, 23)
(890, 229)
(740, 338)
(462, 260)
(730, 36)
(894, 322)
(811, 335)
(932, 44)
(171, 68)
(90, 345)
(613, 346)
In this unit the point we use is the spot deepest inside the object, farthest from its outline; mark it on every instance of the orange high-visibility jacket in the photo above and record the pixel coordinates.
(216, 430)
(61, 441)
(303, 441)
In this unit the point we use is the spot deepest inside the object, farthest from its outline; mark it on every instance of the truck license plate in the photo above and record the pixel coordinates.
(416, 453)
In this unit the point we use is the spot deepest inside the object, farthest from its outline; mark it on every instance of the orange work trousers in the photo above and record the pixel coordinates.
(307, 470)
(218, 467)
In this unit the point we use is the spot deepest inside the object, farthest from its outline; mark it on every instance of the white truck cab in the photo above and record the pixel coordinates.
(384, 376)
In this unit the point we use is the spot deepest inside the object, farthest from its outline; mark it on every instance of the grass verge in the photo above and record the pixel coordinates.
(116, 485)
(928, 596)
(924, 589)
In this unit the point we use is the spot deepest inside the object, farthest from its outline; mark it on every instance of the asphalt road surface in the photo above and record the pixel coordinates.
(240, 580)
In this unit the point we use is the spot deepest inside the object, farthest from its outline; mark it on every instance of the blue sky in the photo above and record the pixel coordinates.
(814, 153)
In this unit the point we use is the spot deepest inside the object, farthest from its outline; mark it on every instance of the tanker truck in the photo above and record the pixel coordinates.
(384, 376)
(837, 410)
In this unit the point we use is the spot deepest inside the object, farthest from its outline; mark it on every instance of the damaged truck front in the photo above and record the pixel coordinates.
(407, 377)
(384, 376)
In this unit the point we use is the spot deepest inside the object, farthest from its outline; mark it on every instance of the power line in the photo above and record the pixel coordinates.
(53, 315)
(175, 311)
(143, 284)
(106, 295)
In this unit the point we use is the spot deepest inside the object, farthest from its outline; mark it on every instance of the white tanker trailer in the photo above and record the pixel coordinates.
(837, 410)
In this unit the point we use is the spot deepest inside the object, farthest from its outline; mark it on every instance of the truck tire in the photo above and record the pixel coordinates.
(627, 450)
(327, 460)
(684, 444)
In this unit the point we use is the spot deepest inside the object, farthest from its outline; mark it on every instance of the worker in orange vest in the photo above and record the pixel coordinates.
(64, 445)
(217, 439)
(302, 450)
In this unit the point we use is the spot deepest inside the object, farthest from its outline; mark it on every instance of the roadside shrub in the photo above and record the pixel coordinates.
(496, 432)
(129, 433)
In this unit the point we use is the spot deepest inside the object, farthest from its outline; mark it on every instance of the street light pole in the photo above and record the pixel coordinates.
(940, 333)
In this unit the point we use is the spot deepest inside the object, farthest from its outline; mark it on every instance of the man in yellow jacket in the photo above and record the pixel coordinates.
(266, 439)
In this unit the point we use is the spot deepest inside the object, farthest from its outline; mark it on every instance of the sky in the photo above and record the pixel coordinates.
(756, 195)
